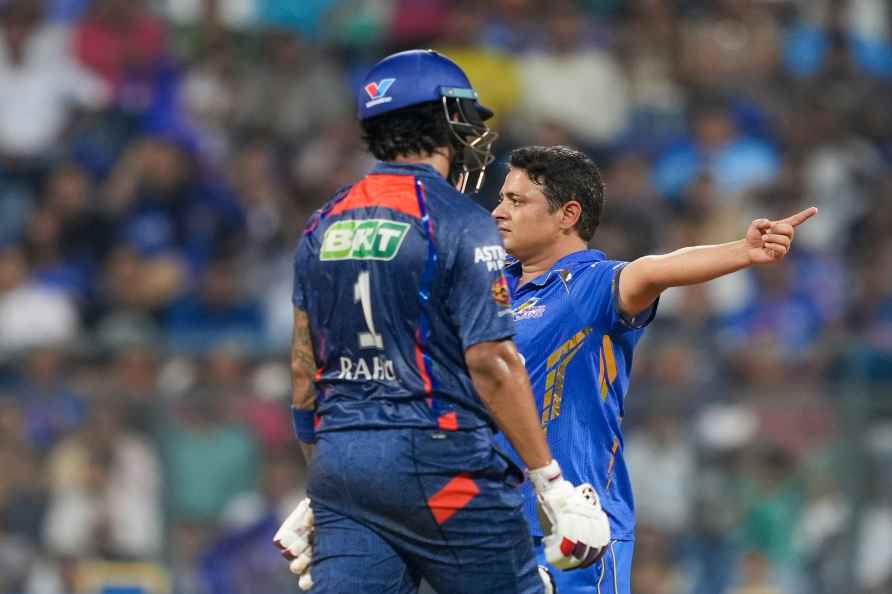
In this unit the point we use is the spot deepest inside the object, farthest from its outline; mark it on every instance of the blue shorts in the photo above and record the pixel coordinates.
(395, 506)
(611, 575)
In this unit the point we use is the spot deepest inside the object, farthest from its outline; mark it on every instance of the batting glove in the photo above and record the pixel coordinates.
(547, 580)
(295, 541)
(580, 530)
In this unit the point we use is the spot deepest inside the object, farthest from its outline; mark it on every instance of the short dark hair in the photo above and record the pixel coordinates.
(565, 174)
(419, 129)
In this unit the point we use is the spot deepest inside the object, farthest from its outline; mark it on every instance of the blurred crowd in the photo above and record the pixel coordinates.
(158, 160)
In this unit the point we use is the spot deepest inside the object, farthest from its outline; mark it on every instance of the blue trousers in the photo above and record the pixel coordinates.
(395, 506)
(611, 575)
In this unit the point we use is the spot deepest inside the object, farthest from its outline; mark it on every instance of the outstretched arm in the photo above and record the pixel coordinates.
(642, 281)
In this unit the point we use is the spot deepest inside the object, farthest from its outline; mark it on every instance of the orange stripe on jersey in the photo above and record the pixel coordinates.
(387, 191)
(610, 358)
(419, 361)
(454, 495)
(602, 380)
(613, 451)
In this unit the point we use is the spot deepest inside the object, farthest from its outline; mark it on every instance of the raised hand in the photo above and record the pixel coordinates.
(769, 241)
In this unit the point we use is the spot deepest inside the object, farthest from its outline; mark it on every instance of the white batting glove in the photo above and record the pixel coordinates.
(580, 530)
(547, 580)
(295, 541)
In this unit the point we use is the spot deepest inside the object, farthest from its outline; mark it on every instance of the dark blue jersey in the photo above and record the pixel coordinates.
(399, 274)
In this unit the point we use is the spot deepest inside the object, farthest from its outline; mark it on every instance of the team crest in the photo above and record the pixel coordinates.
(529, 310)
(500, 292)
(377, 92)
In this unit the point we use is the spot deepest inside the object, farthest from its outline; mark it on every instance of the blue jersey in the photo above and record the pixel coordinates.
(399, 274)
(577, 348)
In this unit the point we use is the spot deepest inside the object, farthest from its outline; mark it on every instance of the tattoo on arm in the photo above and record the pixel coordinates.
(303, 363)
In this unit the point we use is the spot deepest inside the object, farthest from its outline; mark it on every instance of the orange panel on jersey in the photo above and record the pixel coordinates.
(456, 494)
(388, 191)
(448, 421)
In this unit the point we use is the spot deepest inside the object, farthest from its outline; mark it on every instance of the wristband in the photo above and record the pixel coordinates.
(304, 424)
(542, 478)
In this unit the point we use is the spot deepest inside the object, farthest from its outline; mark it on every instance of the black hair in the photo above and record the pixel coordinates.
(565, 174)
(415, 130)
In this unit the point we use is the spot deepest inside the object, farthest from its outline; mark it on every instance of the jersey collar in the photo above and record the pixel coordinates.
(514, 269)
(391, 168)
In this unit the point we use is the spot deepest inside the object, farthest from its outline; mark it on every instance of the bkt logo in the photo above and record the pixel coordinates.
(369, 239)
(377, 91)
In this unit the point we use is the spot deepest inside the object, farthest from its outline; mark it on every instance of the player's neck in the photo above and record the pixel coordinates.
(439, 160)
(539, 264)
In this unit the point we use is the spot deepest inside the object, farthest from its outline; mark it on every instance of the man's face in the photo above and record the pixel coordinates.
(523, 218)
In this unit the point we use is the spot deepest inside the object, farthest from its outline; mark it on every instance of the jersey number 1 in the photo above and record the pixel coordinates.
(363, 294)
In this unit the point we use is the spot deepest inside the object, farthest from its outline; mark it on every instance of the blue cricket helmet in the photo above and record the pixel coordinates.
(412, 77)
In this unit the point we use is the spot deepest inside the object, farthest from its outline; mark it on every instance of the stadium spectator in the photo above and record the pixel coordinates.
(716, 148)
(578, 75)
(106, 493)
(208, 459)
(41, 86)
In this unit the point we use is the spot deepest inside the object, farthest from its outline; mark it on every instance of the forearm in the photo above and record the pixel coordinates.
(643, 280)
(514, 412)
(505, 389)
(303, 384)
(307, 449)
(303, 364)
(696, 264)
(303, 389)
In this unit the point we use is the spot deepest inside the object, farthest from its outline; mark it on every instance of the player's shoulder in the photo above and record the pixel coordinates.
(321, 213)
(594, 267)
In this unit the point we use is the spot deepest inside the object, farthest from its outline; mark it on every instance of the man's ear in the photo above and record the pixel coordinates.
(571, 212)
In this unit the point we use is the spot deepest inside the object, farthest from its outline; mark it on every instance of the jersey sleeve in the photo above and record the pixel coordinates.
(302, 257)
(599, 300)
(478, 300)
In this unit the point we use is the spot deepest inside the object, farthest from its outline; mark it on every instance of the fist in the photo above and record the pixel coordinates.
(580, 528)
(294, 540)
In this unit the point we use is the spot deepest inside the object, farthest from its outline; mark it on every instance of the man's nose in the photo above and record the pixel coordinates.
(498, 212)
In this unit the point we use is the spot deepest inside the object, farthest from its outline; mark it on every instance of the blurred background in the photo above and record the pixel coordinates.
(158, 160)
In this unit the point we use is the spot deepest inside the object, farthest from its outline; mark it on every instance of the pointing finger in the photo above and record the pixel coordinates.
(800, 217)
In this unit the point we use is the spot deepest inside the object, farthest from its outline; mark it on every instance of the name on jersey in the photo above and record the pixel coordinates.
(492, 255)
(375, 368)
(367, 239)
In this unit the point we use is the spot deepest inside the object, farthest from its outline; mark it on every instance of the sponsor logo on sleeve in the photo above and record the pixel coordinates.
(369, 239)
(491, 255)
